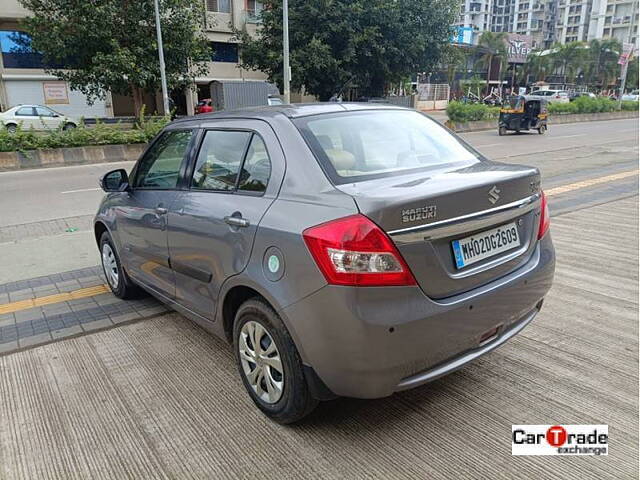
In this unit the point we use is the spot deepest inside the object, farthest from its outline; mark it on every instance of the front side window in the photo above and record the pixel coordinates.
(44, 112)
(358, 146)
(160, 168)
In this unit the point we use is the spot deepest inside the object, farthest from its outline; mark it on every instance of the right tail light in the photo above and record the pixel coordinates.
(545, 220)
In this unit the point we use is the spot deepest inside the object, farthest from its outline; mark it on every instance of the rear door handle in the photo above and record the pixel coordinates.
(237, 221)
(161, 211)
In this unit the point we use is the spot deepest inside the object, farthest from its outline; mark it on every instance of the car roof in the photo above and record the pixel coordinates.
(294, 110)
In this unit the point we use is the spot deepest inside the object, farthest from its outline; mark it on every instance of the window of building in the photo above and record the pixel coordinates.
(17, 51)
(221, 6)
(224, 52)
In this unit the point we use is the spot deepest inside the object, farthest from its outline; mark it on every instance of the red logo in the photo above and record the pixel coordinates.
(556, 436)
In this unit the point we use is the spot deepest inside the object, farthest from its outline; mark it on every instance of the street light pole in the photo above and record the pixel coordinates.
(285, 53)
(625, 67)
(163, 77)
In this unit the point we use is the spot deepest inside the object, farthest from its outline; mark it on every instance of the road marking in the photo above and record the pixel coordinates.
(589, 183)
(489, 145)
(81, 190)
(570, 136)
(49, 299)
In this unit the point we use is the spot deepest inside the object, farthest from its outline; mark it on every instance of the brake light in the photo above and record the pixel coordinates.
(355, 251)
(545, 220)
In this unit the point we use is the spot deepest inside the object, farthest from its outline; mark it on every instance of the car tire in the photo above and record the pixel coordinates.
(117, 279)
(290, 402)
(502, 131)
(69, 126)
(11, 127)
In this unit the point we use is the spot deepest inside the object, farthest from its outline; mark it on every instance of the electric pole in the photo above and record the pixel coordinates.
(163, 77)
(285, 53)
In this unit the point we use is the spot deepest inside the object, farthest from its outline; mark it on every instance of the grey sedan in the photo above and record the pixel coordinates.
(342, 249)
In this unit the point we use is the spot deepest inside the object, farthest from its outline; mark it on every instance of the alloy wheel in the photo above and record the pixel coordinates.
(261, 362)
(110, 265)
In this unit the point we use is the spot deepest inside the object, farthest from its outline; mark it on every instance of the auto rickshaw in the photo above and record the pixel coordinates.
(523, 113)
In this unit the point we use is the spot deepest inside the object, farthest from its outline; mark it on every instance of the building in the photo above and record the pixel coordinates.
(572, 20)
(614, 19)
(23, 78)
(475, 15)
(533, 18)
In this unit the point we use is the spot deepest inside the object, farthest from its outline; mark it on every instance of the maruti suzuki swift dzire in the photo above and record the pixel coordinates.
(342, 249)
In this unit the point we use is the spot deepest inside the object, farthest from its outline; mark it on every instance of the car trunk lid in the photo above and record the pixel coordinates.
(424, 212)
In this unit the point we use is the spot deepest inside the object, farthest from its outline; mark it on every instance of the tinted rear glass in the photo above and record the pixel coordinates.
(357, 146)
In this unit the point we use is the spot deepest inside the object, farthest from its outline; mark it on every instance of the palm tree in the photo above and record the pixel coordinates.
(602, 65)
(568, 58)
(492, 45)
(539, 64)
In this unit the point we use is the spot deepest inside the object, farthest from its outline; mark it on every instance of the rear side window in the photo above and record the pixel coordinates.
(256, 169)
(219, 160)
(230, 161)
(25, 112)
(160, 168)
(357, 146)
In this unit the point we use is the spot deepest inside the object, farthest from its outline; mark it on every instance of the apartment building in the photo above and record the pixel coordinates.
(533, 18)
(615, 19)
(23, 78)
(476, 16)
(572, 20)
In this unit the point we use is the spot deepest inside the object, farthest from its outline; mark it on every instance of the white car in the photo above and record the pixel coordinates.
(35, 117)
(560, 96)
(632, 97)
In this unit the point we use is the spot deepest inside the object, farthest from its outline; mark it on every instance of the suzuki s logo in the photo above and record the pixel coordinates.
(494, 195)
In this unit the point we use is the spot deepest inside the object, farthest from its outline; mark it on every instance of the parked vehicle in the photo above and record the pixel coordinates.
(36, 117)
(343, 249)
(575, 95)
(560, 96)
(523, 113)
(233, 94)
(274, 101)
(631, 97)
(204, 106)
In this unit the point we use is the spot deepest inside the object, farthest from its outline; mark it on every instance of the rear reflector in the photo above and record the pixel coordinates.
(545, 221)
(355, 251)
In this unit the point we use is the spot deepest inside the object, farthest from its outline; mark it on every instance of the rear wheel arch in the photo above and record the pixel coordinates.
(233, 299)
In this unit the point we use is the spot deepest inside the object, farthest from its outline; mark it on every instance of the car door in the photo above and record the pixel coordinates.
(235, 177)
(26, 116)
(142, 213)
(47, 118)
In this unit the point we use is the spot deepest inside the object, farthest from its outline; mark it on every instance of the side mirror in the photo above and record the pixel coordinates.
(115, 181)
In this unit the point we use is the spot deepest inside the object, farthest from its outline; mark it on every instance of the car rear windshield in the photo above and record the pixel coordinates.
(358, 146)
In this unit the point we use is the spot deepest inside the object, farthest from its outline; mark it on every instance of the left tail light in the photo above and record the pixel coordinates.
(354, 251)
(545, 220)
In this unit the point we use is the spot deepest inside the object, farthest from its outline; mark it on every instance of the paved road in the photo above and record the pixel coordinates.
(45, 194)
(159, 398)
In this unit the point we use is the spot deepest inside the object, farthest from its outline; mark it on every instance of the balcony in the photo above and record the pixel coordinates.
(252, 16)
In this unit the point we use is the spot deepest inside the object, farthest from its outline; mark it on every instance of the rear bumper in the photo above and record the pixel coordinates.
(371, 342)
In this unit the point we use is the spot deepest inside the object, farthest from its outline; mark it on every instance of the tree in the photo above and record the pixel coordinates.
(493, 45)
(602, 66)
(568, 58)
(632, 75)
(337, 44)
(110, 45)
(539, 64)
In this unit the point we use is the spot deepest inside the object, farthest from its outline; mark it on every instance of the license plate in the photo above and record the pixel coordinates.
(477, 247)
